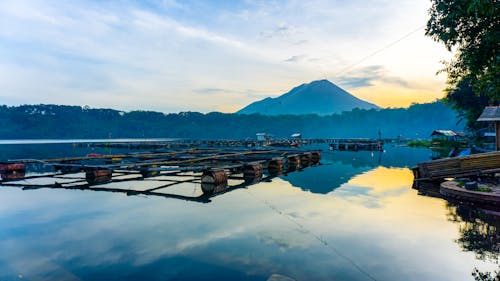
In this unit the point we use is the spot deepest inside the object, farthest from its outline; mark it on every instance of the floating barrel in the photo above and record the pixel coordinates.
(147, 172)
(12, 171)
(275, 166)
(213, 181)
(293, 162)
(305, 159)
(315, 157)
(252, 172)
(98, 176)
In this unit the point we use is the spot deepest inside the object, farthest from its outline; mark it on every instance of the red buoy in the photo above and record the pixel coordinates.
(98, 176)
(12, 171)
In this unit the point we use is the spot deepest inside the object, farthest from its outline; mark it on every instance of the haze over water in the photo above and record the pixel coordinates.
(355, 217)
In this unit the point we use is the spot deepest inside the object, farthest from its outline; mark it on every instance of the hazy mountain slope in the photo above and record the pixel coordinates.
(318, 97)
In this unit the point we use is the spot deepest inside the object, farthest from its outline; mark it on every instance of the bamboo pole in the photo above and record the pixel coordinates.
(110, 156)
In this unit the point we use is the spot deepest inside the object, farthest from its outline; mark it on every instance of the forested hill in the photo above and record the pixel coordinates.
(57, 121)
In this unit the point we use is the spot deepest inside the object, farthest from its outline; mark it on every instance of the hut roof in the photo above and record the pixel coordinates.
(490, 113)
(446, 133)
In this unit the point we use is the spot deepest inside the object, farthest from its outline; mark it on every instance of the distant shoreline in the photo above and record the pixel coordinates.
(50, 141)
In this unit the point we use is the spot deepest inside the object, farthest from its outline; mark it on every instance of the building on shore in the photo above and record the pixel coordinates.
(447, 135)
(492, 114)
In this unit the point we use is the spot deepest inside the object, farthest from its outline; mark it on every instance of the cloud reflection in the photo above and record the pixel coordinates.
(269, 228)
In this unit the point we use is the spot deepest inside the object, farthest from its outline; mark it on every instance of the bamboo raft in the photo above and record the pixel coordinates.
(217, 171)
(357, 144)
(352, 144)
(467, 166)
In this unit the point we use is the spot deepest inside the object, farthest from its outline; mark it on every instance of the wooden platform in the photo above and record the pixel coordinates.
(356, 145)
(450, 189)
(218, 171)
(349, 144)
(473, 165)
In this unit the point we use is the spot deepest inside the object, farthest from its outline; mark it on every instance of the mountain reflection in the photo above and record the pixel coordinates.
(339, 168)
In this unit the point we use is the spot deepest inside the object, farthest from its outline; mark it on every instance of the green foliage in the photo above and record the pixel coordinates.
(472, 30)
(448, 144)
(467, 103)
(481, 188)
(419, 143)
(52, 121)
(484, 189)
(485, 276)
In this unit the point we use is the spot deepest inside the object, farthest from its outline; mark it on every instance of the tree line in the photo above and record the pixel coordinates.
(65, 122)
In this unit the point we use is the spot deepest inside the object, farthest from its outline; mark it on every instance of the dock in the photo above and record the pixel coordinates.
(482, 164)
(342, 144)
(452, 190)
(356, 145)
(216, 170)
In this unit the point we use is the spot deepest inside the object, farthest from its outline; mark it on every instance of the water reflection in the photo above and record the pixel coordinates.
(339, 167)
(53, 150)
(370, 224)
(479, 232)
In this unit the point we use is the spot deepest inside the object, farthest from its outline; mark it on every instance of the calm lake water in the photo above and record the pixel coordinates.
(355, 217)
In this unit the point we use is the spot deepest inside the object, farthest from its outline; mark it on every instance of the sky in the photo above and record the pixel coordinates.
(173, 56)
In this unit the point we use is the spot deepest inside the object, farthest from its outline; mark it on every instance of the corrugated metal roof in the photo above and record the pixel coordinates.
(489, 134)
(447, 133)
(490, 113)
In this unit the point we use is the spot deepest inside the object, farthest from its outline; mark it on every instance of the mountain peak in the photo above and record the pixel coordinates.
(317, 97)
(321, 81)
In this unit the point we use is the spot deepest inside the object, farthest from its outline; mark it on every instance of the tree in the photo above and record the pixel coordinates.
(470, 28)
(467, 103)
(485, 276)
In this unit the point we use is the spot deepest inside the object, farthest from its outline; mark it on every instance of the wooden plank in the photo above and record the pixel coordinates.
(453, 167)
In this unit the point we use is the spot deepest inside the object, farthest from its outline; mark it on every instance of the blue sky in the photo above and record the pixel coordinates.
(173, 56)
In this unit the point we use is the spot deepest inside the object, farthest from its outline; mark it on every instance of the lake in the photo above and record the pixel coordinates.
(354, 217)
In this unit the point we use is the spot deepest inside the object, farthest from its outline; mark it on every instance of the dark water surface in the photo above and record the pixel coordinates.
(353, 218)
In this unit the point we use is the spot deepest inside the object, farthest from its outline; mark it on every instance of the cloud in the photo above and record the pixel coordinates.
(250, 93)
(150, 20)
(367, 76)
(354, 82)
(296, 58)
(211, 91)
(301, 42)
(281, 31)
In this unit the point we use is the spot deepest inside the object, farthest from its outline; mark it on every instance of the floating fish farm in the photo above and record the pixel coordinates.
(215, 170)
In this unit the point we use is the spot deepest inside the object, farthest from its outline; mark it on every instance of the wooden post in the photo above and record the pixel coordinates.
(497, 134)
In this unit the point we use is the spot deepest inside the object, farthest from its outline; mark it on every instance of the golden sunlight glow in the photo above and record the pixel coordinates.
(386, 95)
(389, 202)
(383, 179)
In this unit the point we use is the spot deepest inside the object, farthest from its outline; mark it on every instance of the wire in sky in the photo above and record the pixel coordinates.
(349, 67)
